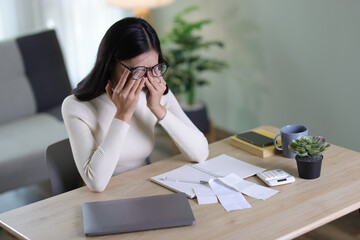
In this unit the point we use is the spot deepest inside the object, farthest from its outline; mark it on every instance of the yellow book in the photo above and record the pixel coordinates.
(263, 152)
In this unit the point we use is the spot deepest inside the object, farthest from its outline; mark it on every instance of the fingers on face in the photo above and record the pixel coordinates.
(140, 86)
(157, 83)
(108, 89)
(123, 80)
(149, 85)
(126, 85)
(137, 86)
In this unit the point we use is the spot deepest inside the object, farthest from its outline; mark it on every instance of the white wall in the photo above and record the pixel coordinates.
(289, 62)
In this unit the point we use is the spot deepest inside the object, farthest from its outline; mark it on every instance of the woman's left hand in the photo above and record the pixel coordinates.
(156, 88)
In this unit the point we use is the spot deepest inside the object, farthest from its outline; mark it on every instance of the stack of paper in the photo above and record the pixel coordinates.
(223, 178)
(219, 166)
(230, 188)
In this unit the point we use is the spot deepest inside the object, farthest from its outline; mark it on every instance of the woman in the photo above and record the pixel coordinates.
(111, 116)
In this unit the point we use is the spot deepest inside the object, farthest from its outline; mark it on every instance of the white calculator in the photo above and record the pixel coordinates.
(275, 177)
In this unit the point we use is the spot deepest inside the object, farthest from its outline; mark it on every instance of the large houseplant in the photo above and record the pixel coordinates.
(184, 51)
(309, 155)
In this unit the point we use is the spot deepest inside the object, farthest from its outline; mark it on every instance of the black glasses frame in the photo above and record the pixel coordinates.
(147, 69)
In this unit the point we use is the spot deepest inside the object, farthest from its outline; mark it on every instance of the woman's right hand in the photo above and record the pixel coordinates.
(125, 96)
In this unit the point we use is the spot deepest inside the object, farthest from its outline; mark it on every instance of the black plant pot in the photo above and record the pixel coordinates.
(309, 167)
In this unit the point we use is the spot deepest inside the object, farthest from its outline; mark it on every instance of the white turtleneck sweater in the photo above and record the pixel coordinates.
(104, 146)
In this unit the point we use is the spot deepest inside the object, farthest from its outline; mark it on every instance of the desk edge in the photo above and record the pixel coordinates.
(12, 231)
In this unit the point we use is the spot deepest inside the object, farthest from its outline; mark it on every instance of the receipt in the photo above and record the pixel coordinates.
(248, 188)
(229, 198)
(205, 196)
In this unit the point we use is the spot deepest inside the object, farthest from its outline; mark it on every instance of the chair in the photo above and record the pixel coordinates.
(63, 172)
(64, 175)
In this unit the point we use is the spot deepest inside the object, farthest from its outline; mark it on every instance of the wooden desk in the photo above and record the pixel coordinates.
(298, 207)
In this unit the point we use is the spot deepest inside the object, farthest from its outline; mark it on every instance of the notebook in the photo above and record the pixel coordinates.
(136, 214)
(219, 166)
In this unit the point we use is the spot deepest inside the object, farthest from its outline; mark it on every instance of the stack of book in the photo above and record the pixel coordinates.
(263, 152)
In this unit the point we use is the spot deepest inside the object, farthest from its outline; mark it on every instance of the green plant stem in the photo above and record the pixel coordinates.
(191, 93)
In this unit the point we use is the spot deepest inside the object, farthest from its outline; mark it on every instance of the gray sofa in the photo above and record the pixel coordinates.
(33, 84)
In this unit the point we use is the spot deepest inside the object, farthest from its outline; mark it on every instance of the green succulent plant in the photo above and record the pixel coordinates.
(309, 146)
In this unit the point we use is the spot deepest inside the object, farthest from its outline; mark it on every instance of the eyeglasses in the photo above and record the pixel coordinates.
(138, 72)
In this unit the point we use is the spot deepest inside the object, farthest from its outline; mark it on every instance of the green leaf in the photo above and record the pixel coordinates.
(202, 82)
(301, 150)
(183, 48)
(303, 154)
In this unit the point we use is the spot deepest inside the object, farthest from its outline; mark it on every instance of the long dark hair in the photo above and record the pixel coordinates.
(124, 40)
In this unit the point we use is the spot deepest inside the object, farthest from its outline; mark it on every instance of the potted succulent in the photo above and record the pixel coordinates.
(183, 49)
(309, 154)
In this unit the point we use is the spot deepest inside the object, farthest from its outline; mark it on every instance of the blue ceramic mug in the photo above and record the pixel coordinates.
(288, 134)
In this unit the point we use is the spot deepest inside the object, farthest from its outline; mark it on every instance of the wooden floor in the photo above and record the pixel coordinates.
(345, 228)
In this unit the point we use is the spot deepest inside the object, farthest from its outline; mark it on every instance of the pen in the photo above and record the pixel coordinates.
(184, 180)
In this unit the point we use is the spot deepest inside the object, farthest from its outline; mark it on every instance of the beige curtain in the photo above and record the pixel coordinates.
(80, 25)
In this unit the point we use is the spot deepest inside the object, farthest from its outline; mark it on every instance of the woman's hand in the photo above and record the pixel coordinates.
(156, 87)
(125, 96)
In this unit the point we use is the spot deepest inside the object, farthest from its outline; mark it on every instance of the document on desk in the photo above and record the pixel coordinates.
(229, 191)
(216, 167)
(229, 198)
(205, 196)
(248, 188)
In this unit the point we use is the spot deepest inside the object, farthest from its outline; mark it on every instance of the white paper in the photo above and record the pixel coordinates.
(185, 172)
(205, 196)
(259, 192)
(236, 182)
(229, 198)
(219, 166)
(223, 165)
(249, 188)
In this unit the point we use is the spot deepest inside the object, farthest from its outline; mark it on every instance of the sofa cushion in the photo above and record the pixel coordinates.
(56, 112)
(45, 68)
(16, 96)
(25, 142)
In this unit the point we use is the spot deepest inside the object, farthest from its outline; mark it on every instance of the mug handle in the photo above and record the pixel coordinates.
(278, 148)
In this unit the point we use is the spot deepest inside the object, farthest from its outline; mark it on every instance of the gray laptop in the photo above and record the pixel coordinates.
(137, 214)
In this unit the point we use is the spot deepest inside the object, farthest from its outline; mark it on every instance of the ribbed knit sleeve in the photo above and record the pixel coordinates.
(189, 139)
(104, 146)
(95, 162)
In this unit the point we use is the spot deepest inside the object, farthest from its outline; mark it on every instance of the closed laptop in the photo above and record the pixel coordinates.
(137, 214)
